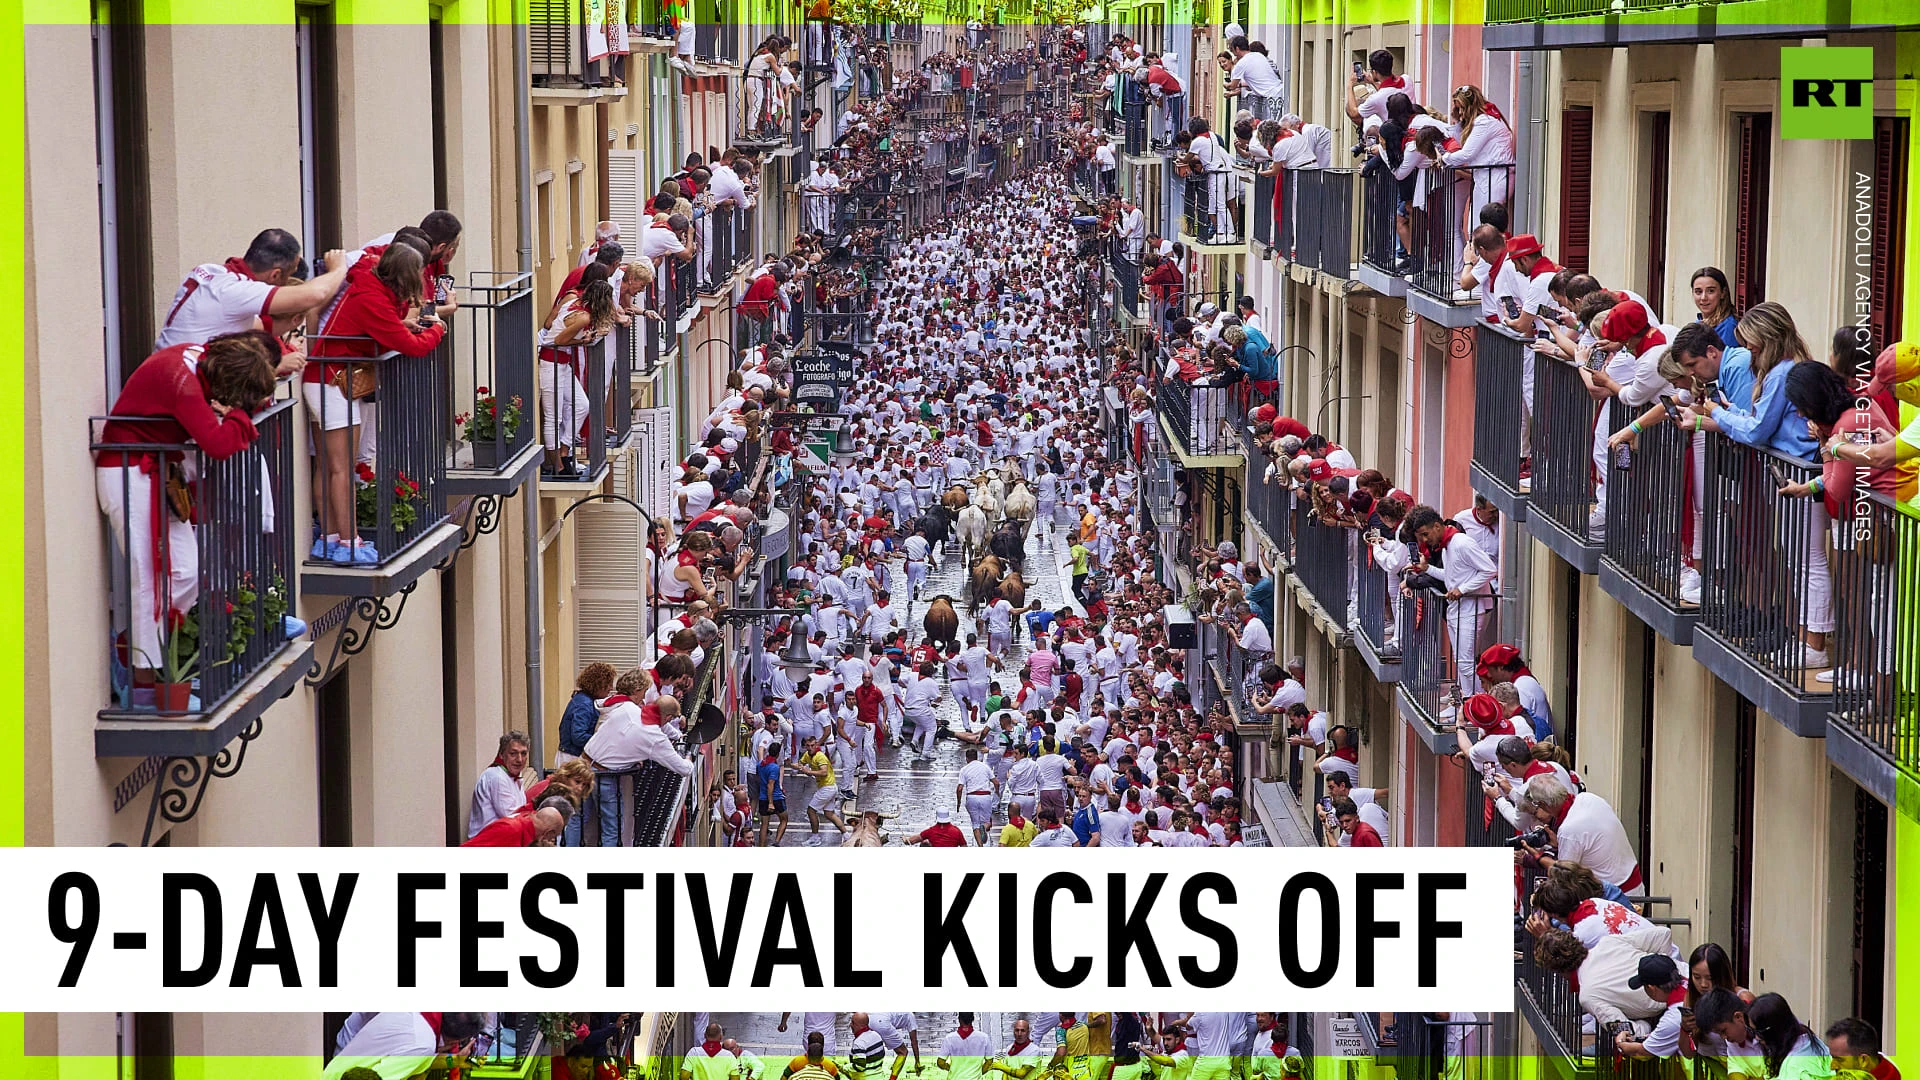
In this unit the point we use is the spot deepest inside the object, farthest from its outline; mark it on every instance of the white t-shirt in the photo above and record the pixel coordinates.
(393, 1044)
(659, 240)
(1256, 72)
(214, 300)
(1507, 283)
(965, 1055)
(699, 497)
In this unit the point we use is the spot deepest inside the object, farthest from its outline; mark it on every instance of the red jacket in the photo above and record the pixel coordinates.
(170, 386)
(367, 308)
(515, 831)
(757, 304)
(1164, 280)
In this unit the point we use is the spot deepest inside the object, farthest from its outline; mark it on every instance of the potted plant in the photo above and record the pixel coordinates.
(240, 613)
(366, 501)
(490, 426)
(179, 663)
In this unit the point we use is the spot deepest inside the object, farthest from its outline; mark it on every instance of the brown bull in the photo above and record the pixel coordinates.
(983, 580)
(955, 499)
(942, 623)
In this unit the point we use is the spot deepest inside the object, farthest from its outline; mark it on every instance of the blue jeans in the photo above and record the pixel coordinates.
(610, 808)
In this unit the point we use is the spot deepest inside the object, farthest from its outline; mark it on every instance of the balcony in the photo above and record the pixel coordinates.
(1195, 418)
(1211, 213)
(1764, 576)
(491, 338)
(1382, 265)
(1312, 223)
(559, 40)
(584, 394)
(1564, 510)
(1324, 564)
(763, 120)
(1574, 24)
(516, 1050)
(728, 236)
(1500, 469)
(1428, 1046)
(395, 487)
(716, 37)
(1439, 236)
(1429, 694)
(1658, 504)
(1376, 628)
(191, 670)
(826, 212)
(1873, 733)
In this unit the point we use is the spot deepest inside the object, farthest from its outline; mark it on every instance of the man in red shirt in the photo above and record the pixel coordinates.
(522, 830)
(760, 300)
(942, 833)
(1855, 1046)
(1360, 833)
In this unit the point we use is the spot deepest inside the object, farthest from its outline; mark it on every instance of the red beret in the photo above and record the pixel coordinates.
(1501, 655)
(1482, 711)
(1624, 321)
(1523, 244)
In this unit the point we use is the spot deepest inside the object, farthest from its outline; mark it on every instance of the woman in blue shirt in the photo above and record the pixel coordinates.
(1713, 299)
(1753, 408)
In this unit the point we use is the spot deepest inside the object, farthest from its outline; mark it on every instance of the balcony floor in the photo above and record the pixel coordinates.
(1865, 763)
(1439, 739)
(1512, 504)
(1583, 554)
(464, 479)
(1670, 622)
(1802, 710)
(131, 735)
(399, 571)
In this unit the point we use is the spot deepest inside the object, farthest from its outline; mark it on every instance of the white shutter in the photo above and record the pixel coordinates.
(610, 597)
(652, 467)
(623, 198)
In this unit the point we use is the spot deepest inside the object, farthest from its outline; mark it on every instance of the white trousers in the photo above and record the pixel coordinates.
(563, 405)
(1463, 627)
(925, 727)
(130, 509)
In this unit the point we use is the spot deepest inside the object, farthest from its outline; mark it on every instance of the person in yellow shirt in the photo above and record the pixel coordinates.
(1072, 1054)
(826, 798)
(1018, 831)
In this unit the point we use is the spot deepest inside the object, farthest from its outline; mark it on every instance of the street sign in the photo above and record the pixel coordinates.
(820, 378)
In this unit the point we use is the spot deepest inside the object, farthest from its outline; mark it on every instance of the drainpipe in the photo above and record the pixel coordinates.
(530, 496)
(1526, 139)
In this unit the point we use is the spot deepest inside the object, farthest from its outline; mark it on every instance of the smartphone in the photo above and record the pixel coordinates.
(1359, 72)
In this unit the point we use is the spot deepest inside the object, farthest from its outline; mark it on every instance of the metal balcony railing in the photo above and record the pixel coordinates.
(1197, 414)
(648, 19)
(1377, 604)
(1565, 418)
(492, 342)
(196, 605)
(824, 212)
(1500, 362)
(683, 280)
(763, 121)
(1440, 233)
(1212, 214)
(1876, 647)
(1654, 510)
(1133, 115)
(1264, 215)
(1517, 11)
(1314, 218)
(1555, 1006)
(1323, 561)
(1427, 669)
(400, 495)
(729, 233)
(1763, 567)
(574, 385)
(1263, 108)
(1434, 1047)
(1379, 239)
(1486, 826)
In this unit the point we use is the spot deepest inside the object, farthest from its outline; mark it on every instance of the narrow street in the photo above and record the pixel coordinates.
(759, 1032)
(908, 786)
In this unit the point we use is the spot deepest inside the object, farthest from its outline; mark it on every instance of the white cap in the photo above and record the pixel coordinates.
(943, 816)
(729, 444)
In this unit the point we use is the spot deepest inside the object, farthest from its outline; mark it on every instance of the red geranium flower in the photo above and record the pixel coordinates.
(364, 471)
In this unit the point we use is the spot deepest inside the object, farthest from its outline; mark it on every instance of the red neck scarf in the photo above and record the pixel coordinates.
(1018, 1047)
(1393, 82)
(965, 1031)
(1352, 753)
(712, 1047)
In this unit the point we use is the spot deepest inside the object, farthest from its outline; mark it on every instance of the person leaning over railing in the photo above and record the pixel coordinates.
(579, 322)
(1486, 141)
(1765, 1039)
(381, 305)
(203, 393)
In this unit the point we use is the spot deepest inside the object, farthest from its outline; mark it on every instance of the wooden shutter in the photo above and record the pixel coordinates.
(1657, 203)
(1890, 174)
(1753, 155)
(1576, 186)
(623, 198)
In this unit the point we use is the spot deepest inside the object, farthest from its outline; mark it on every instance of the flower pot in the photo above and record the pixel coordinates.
(172, 697)
(486, 455)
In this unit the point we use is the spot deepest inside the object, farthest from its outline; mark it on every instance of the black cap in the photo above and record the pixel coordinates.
(1657, 970)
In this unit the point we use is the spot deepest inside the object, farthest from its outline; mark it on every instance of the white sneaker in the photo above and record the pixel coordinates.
(1597, 523)
(1800, 654)
(1446, 713)
(1689, 585)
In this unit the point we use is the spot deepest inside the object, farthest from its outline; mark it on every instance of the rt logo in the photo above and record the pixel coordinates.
(1826, 93)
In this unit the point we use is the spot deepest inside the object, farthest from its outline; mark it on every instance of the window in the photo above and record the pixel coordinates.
(543, 220)
(576, 204)
(1649, 660)
(1566, 725)
(1305, 79)
(1576, 186)
(1659, 128)
(120, 142)
(152, 1043)
(1890, 175)
(333, 733)
(1753, 169)
(316, 78)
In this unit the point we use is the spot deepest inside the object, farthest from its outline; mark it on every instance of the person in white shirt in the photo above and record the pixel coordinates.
(397, 1045)
(977, 792)
(709, 1059)
(230, 297)
(964, 1053)
(1340, 785)
(1586, 831)
(1214, 164)
(1052, 833)
(1485, 142)
(498, 790)
(1254, 75)
(1467, 574)
(1502, 290)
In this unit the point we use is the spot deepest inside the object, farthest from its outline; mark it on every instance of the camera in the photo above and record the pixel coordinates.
(1537, 838)
(1367, 143)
